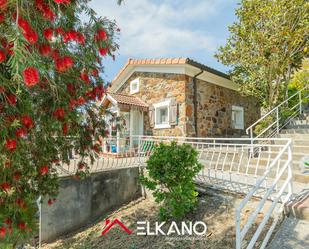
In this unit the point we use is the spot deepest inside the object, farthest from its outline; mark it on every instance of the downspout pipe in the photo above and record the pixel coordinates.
(195, 101)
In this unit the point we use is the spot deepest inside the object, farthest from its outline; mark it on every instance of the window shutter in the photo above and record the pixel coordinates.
(151, 116)
(173, 113)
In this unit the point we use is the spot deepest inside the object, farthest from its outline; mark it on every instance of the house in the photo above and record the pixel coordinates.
(178, 97)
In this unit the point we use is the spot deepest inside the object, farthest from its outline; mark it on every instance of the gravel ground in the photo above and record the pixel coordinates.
(216, 209)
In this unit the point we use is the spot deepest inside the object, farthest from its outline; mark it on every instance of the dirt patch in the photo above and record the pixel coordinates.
(217, 210)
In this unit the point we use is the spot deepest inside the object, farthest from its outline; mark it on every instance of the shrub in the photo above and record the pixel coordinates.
(171, 171)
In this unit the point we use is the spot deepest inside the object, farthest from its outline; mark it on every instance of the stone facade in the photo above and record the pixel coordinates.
(214, 110)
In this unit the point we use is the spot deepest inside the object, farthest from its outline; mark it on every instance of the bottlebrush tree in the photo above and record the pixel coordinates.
(50, 59)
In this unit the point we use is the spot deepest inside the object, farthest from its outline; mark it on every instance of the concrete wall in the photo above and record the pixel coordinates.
(83, 201)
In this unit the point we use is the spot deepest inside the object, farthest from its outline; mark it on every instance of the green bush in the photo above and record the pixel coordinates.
(171, 172)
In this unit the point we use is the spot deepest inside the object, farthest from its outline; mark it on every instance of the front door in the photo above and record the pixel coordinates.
(136, 124)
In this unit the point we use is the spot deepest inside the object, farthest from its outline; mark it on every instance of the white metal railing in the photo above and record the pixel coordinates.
(275, 120)
(280, 189)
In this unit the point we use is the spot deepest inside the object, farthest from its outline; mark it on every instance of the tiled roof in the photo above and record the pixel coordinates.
(127, 99)
(169, 61)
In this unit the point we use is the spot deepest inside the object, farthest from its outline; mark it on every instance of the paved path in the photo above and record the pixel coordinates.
(293, 234)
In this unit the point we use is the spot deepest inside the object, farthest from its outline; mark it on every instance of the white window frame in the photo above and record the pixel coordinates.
(134, 90)
(158, 106)
(239, 109)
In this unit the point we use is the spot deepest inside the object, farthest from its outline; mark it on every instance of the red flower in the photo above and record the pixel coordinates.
(65, 129)
(5, 186)
(103, 51)
(80, 100)
(70, 88)
(62, 1)
(27, 121)
(2, 56)
(101, 35)
(20, 202)
(21, 225)
(59, 113)
(2, 232)
(72, 104)
(44, 170)
(3, 3)
(23, 24)
(95, 72)
(16, 176)
(11, 144)
(8, 221)
(64, 63)
(21, 132)
(31, 36)
(48, 33)
(31, 76)
(81, 38)
(45, 49)
(2, 17)
(11, 98)
(84, 76)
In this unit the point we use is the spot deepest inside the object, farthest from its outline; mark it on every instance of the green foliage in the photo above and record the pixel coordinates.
(171, 171)
(264, 124)
(301, 77)
(266, 44)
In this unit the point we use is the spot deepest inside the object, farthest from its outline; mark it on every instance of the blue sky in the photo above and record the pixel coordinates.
(168, 28)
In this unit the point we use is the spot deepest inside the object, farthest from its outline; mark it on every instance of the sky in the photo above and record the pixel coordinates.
(168, 28)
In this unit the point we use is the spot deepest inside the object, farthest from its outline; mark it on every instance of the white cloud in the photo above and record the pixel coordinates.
(161, 28)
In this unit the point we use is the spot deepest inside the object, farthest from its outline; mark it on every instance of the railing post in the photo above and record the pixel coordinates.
(300, 103)
(251, 142)
(277, 116)
(290, 173)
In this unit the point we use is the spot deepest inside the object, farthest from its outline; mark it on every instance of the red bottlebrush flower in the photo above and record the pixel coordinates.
(50, 202)
(16, 176)
(65, 129)
(21, 203)
(2, 232)
(11, 144)
(100, 35)
(8, 221)
(80, 100)
(31, 76)
(95, 72)
(64, 63)
(2, 56)
(59, 30)
(31, 36)
(21, 132)
(96, 148)
(71, 88)
(45, 49)
(72, 104)
(2, 17)
(44, 170)
(23, 24)
(48, 33)
(5, 186)
(59, 113)
(11, 98)
(3, 3)
(27, 121)
(21, 225)
(84, 76)
(81, 165)
(103, 51)
(81, 38)
(62, 1)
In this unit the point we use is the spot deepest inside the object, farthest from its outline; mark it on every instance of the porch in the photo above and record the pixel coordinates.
(125, 117)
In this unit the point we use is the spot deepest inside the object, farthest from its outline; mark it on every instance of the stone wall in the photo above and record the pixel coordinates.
(214, 105)
(156, 87)
(214, 112)
(81, 202)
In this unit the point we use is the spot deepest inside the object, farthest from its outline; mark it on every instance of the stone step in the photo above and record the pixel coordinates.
(299, 206)
(292, 234)
(296, 142)
(294, 132)
(252, 169)
(298, 126)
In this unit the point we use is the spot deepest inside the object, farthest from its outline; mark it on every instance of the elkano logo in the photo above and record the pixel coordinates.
(111, 224)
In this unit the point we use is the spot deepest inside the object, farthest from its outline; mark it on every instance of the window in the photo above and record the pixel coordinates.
(162, 115)
(238, 117)
(134, 86)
